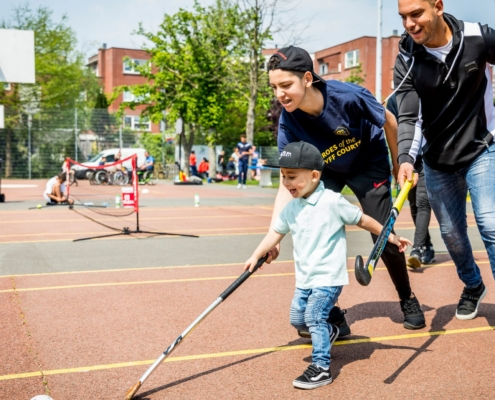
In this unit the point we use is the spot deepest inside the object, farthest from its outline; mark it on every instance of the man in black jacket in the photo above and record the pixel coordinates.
(445, 101)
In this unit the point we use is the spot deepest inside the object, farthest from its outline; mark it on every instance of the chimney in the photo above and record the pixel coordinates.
(104, 47)
(395, 32)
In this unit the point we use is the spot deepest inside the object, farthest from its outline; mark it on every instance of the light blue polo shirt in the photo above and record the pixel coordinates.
(317, 225)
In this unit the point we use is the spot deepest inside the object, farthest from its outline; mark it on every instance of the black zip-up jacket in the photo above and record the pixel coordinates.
(457, 118)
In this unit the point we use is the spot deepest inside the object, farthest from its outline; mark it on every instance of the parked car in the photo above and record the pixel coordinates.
(83, 171)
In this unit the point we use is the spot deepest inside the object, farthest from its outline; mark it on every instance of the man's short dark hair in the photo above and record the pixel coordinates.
(62, 176)
(274, 63)
(243, 135)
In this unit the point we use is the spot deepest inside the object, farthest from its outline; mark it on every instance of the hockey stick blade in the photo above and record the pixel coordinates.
(364, 273)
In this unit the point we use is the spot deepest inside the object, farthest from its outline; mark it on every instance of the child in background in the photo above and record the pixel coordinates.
(316, 218)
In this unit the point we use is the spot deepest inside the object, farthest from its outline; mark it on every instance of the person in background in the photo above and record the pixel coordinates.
(55, 190)
(245, 150)
(221, 163)
(254, 162)
(192, 164)
(231, 169)
(204, 165)
(422, 251)
(235, 156)
(148, 165)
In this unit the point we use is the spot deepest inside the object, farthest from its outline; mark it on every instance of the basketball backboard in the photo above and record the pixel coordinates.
(17, 56)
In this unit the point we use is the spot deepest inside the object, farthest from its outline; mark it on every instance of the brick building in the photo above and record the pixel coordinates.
(116, 67)
(339, 62)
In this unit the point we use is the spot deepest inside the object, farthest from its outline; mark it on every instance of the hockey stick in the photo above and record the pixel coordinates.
(365, 273)
(238, 282)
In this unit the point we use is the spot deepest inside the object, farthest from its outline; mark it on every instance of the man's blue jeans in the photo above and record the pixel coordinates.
(243, 168)
(309, 310)
(447, 192)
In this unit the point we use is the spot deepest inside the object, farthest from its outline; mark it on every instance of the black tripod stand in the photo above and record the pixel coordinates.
(127, 231)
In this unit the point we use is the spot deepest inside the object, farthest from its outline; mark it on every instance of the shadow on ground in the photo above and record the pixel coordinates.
(344, 355)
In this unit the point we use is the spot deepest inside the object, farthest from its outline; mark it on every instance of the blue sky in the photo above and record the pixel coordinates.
(327, 22)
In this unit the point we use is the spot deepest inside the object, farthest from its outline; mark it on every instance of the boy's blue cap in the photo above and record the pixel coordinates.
(301, 155)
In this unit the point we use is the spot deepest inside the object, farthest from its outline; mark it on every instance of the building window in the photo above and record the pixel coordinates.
(137, 123)
(323, 68)
(131, 65)
(128, 96)
(6, 87)
(352, 59)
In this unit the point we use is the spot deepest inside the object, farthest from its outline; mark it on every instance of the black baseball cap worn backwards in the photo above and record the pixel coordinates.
(301, 155)
(296, 59)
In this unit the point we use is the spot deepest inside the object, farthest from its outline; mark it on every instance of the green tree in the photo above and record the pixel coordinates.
(62, 80)
(356, 76)
(256, 23)
(190, 71)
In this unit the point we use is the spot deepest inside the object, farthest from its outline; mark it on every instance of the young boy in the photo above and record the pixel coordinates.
(316, 218)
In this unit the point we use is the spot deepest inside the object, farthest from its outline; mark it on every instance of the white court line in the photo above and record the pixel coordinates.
(17, 186)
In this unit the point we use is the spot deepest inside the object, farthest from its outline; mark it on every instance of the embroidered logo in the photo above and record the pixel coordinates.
(280, 54)
(342, 131)
(285, 154)
(471, 67)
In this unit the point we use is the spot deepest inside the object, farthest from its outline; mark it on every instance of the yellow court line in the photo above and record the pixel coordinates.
(217, 278)
(191, 266)
(126, 237)
(242, 353)
(149, 208)
(141, 218)
(141, 269)
(351, 229)
(103, 232)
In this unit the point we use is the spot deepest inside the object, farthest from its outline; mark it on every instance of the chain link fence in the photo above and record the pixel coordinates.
(35, 146)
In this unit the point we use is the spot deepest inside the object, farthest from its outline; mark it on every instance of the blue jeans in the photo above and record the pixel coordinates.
(447, 192)
(309, 311)
(243, 168)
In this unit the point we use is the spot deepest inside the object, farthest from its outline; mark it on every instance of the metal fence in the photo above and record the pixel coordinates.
(35, 146)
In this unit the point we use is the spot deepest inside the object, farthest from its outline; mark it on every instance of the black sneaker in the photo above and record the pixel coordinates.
(414, 260)
(470, 301)
(428, 255)
(413, 314)
(313, 377)
(336, 317)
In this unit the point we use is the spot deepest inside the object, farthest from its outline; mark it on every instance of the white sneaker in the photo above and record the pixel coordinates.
(239, 186)
(244, 186)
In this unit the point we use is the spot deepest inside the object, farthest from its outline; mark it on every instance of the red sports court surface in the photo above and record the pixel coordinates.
(91, 335)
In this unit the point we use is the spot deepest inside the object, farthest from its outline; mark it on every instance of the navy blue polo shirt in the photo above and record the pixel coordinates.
(348, 132)
(242, 148)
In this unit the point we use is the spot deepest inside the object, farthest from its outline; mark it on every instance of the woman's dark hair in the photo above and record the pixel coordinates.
(62, 176)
